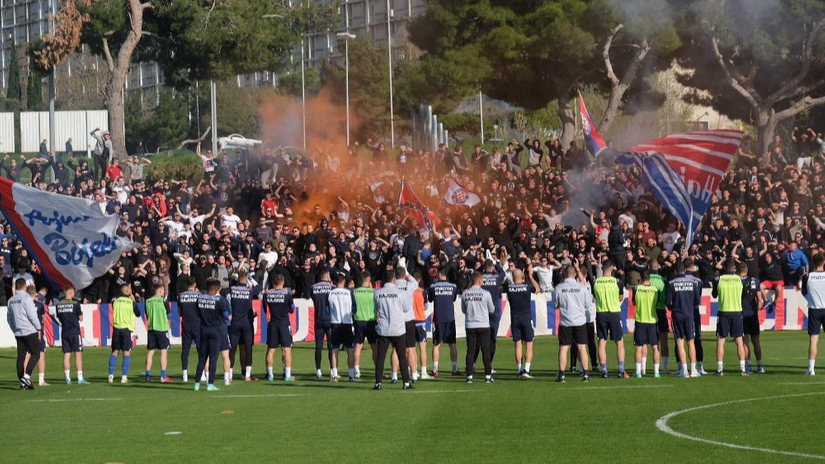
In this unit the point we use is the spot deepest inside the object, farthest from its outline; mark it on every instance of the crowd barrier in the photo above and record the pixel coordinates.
(96, 329)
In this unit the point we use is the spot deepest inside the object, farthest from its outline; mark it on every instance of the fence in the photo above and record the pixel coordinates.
(34, 127)
(427, 132)
(790, 314)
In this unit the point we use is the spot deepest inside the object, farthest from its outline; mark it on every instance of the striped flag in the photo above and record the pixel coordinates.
(416, 208)
(685, 170)
(592, 138)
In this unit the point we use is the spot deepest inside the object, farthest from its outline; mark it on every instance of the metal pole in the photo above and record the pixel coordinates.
(481, 114)
(214, 109)
(389, 55)
(346, 65)
(52, 122)
(303, 96)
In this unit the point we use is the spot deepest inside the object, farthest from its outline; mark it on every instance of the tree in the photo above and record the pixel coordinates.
(236, 110)
(189, 39)
(770, 56)
(290, 84)
(34, 90)
(14, 90)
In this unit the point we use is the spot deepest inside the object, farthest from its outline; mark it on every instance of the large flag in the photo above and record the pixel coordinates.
(70, 238)
(592, 139)
(457, 195)
(416, 208)
(685, 170)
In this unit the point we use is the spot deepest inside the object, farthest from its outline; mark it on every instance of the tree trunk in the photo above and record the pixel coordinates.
(766, 126)
(613, 103)
(568, 122)
(117, 117)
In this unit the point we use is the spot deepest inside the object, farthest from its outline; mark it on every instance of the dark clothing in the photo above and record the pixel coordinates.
(400, 345)
(478, 340)
(28, 344)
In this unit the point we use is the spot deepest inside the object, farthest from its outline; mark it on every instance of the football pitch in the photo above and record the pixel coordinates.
(774, 417)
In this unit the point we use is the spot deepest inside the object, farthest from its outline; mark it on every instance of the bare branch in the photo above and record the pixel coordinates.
(611, 74)
(110, 62)
(191, 141)
(735, 78)
(799, 106)
(807, 56)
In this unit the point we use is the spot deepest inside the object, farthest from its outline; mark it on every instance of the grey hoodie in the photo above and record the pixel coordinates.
(477, 305)
(393, 305)
(22, 315)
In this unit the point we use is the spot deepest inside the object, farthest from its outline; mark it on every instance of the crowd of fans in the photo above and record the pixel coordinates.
(273, 212)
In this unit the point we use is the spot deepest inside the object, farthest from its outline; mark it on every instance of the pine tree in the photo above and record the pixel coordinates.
(14, 90)
(34, 91)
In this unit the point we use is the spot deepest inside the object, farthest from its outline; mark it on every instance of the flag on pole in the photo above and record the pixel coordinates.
(407, 200)
(592, 139)
(457, 195)
(70, 239)
(685, 170)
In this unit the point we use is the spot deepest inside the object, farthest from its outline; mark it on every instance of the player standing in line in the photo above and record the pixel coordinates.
(574, 301)
(751, 304)
(442, 295)
(340, 312)
(323, 327)
(646, 297)
(124, 312)
(683, 294)
(692, 273)
(419, 310)
(658, 282)
(278, 303)
(191, 323)
(240, 330)
(478, 308)
(813, 288)
(40, 304)
(392, 305)
(27, 328)
(521, 319)
(212, 309)
(365, 320)
(609, 293)
(728, 289)
(406, 283)
(493, 276)
(70, 316)
(157, 315)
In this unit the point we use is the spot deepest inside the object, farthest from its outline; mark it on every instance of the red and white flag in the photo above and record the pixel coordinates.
(408, 201)
(458, 195)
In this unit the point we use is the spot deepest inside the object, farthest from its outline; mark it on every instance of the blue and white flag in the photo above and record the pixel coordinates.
(70, 238)
(685, 170)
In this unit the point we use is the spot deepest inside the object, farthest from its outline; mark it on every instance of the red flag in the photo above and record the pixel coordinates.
(407, 200)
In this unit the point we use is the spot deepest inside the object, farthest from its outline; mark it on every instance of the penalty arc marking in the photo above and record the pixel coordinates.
(661, 424)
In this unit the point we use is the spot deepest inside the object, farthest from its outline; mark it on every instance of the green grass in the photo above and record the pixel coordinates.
(443, 420)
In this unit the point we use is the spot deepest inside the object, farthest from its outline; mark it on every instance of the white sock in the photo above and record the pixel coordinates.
(638, 368)
(423, 370)
(319, 373)
(185, 375)
(683, 368)
(664, 361)
(204, 376)
(394, 376)
(455, 366)
(741, 365)
(655, 368)
(68, 375)
(519, 368)
(111, 377)
(811, 363)
(231, 372)
(335, 373)
(288, 371)
(527, 367)
(269, 371)
(357, 370)
(79, 375)
(123, 377)
(720, 366)
(226, 376)
(248, 371)
(27, 376)
(435, 367)
(693, 368)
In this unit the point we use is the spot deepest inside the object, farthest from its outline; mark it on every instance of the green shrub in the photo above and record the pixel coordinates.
(177, 165)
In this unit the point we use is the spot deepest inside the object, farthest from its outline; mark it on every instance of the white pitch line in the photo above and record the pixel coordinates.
(284, 395)
(800, 383)
(626, 387)
(661, 424)
(419, 392)
(67, 400)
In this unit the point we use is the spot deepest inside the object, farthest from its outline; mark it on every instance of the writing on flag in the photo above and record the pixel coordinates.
(70, 238)
(592, 138)
(685, 170)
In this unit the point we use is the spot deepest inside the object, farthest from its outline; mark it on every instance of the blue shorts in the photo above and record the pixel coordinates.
(661, 324)
(729, 325)
(43, 343)
(420, 332)
(71, 342)
(224, 337)
(279, 335)
(157, 340)
(751, 325)
(122, 340)
(444, 332)
(522, 330)
(683, 327)
(816, 318)
(241, 333)
(365, 330)
(646, 334)
(342, 335)
(609, 325)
